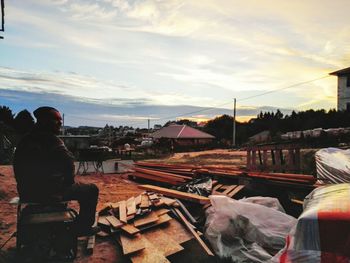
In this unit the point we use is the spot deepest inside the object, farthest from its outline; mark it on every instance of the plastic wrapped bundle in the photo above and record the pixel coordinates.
(322, 233)
(244, 231)
(333, 165)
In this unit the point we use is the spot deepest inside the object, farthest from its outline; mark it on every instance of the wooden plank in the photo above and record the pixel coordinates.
(130, 229)
(168, 201)
(138, 200)
(235, 191)
(158, 203)
(162, 220)
(150, 254)
(122, 211)
(153, 197)
(144, 201)
(217, 187)
(114, 222)
(229, 188)
(177, 194)
(162, 241)
(131, 206)
(145, 220)
(299, 202)
(132, 244)
(103, 221)
(175, 177)
(177, 231)
(162, 211)
(194, 233)
(155, 178)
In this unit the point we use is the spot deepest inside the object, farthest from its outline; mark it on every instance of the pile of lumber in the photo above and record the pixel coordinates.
(179, 174)
(149, 227)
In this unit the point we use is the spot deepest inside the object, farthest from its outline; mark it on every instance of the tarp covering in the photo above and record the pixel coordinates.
(322, 234)
(333, 165)
(245, 231)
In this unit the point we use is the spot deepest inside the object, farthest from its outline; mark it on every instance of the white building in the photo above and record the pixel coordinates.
(343, 101)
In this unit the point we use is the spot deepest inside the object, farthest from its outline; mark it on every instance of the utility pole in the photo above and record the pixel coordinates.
(148, 126)
(234, 124)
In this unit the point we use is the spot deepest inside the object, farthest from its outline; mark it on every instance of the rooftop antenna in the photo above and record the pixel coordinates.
(2, 29)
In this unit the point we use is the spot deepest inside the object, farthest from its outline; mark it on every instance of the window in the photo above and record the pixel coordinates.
(348, 81)
(348, 106)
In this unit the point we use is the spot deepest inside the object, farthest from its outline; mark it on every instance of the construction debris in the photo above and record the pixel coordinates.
(145, 228)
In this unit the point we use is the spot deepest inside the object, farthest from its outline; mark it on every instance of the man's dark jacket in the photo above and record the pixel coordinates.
(43, 166)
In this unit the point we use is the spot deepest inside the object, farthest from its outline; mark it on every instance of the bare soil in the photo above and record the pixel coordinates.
(113, 188)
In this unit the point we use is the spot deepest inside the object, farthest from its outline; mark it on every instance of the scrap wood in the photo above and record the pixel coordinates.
(299, 202)
(122, 211)
(138, 200)
(165, 243)
(131, 206)
(132, 244)
(168, 201)
(114, 222)
(130, 229)
(177, 194)
(176, 230)
(165, 218)
(235, 191)
(187, 213)
(162, 211)
(103, 221)
(156, 178)
(147, 219)
(150, 254)
(175, 177)
(194, 233)
(144, 201)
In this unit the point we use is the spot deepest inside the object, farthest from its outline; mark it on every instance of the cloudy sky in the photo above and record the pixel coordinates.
(123, 62)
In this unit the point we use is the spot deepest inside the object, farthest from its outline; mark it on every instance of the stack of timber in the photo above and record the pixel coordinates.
(178, 174)
(150, 227)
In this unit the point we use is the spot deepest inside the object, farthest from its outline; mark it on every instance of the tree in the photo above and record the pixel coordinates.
(23, 122)
(6, 115)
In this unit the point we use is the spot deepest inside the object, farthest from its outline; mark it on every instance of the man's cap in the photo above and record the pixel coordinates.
(43, 112)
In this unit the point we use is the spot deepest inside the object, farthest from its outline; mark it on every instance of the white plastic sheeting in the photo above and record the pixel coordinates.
(333, 165)
(244, 231)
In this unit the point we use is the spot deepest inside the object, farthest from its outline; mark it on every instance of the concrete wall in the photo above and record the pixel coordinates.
(343, 92)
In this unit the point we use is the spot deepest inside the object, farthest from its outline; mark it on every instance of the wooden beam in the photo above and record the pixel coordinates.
(122, 211)
(177, 194)
(194, 233)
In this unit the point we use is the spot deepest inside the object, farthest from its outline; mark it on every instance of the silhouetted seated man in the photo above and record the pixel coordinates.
(44, 170)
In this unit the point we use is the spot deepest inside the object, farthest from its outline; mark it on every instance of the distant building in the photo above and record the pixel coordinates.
(183, 135)
(343, 101)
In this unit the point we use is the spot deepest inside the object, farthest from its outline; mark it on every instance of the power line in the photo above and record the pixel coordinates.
(288, 87)
(214, 107)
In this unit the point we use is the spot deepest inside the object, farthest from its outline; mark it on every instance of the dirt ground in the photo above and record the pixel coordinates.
(113, 187)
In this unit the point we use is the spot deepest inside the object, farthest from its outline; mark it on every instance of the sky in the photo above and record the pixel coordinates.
(124, 62)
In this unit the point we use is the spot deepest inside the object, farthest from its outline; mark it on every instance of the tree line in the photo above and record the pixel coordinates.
(14, 125)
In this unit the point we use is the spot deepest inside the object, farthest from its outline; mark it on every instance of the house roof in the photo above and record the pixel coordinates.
(181, 132)
(343, 71)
